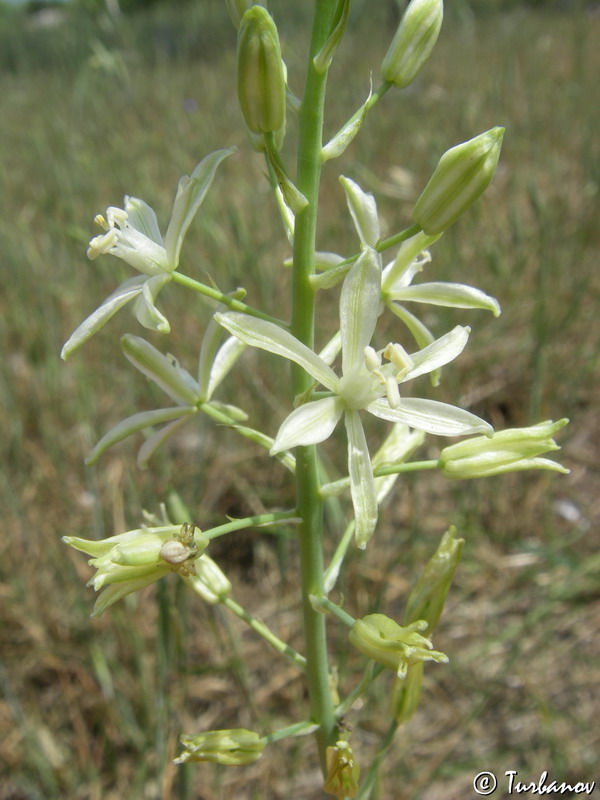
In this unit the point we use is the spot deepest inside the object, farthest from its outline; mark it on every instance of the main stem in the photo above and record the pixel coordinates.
(310, 507)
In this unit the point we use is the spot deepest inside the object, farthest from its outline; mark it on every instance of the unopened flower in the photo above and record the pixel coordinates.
(392, 645)
(132, 234)
(462, 175)
(506, 451)
(413, 42)
(427, 597)
(365, 383)
(129, 561)
(234, 747)
(261, 73)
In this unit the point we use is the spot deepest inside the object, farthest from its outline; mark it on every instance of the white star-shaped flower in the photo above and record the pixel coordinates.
(366, 383)
(132, 234)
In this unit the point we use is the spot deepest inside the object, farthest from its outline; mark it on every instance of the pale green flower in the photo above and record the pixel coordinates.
(129, 561)
(132, 234)
(365, 383)
(234, 747)
(392, 645)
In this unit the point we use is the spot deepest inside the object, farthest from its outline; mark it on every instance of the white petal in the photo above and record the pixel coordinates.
(135, 424)
(270, 337)
(190, 194)
(363, 209)
(153, 442)
(223, 363)
(402, 270)
(142, 217)
(309, 424)
(431, 416)
(362, 484)
(98, 318)
(359, 308)
(439, 352)
(172, 379)
(450, 295)
(145, 309)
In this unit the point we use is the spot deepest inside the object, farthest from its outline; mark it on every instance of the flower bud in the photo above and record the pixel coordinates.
(427, 598)
(235, 747)
(406, 694)
(343, 771)
(461, 176)
(261, 73)
(414, 40)
(392, 645)
(506, 451)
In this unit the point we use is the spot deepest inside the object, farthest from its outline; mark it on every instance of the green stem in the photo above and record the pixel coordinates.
(259, 520)
(260, 628)
(231, 302)
(310, 507)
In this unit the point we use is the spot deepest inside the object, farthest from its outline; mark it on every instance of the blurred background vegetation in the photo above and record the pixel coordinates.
(102, 99)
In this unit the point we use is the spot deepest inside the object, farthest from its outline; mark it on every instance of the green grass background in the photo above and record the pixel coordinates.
(93, 108)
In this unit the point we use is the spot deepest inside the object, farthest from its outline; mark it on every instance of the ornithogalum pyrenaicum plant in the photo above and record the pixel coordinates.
(381, 388)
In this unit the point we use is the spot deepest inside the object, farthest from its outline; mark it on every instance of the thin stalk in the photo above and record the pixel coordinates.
(257, 521)
(309, 503)
(232, 303)
(262, 630)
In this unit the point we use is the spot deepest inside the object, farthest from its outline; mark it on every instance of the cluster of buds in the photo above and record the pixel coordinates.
(130, 561)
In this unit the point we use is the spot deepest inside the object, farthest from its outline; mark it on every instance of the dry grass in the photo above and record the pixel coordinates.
(92, 709)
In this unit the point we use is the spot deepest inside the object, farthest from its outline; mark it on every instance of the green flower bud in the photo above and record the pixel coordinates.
(506, 451)
(261, 73)
(461, 176)
(414, 40)
(427, 598)
(235, 747)
(392, 645)
(343, 771)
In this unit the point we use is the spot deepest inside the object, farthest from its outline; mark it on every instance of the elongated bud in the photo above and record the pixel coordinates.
(511, 450)
(414, 40)
(427, 598)
(460, 178)
(235, 747)
(261, 73)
